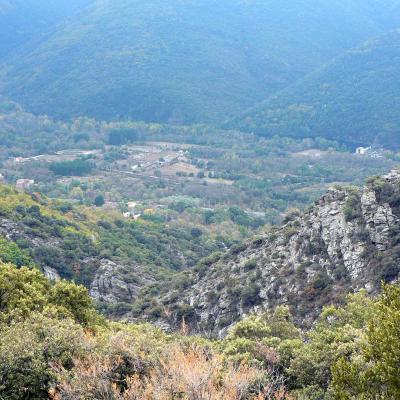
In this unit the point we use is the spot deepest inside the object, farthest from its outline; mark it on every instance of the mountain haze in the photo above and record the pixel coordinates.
(22, 21)
(183, 61)
(355, 99)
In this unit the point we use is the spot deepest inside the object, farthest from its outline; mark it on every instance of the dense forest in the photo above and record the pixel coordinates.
(128, 59)
(24, 21)
(352, 100)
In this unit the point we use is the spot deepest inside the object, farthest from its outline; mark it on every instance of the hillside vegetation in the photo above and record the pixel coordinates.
(182, 61)
(113, 257)
(55, 346)
(353, 100)
(345, 242)
(27, 21)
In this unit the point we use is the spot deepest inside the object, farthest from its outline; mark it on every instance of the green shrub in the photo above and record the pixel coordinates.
(250, 295)
(29, 352)
(76, 167)
(11, 253)
(250, 265)
(321, 281)
(238, 248)
(99, 200)
(374, 372)
(23, 291)
(290, 231)
(352, 207)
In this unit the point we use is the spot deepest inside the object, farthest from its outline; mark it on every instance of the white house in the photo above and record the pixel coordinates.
(24, 184)
(362, 150)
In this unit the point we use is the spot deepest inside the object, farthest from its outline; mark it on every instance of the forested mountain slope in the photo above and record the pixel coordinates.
(23, 21)
(347, 241)
(353, 100)
(112, 257)
(181, 61)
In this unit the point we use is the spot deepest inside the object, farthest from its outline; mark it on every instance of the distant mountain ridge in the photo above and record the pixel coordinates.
(22, 21)
(355, 99)
(183, 61)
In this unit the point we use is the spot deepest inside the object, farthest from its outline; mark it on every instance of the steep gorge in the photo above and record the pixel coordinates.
(347, 241)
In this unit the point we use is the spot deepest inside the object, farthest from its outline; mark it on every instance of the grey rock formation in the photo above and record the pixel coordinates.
(341, 244)
(51, 273)
(112, 283)
(116, 283)
(378, 218)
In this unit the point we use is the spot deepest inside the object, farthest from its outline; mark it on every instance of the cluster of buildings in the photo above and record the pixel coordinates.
(22, 185)
(369, 151)
(169, 159)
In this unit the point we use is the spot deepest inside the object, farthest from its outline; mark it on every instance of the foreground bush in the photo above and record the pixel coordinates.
(374, 373)
(53, 345)
(192, 373)
(24, 290)
(30, 352)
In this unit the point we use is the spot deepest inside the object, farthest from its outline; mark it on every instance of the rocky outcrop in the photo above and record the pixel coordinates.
(343, 243)
(378, 218)
(9, 229)
(113, 282)
(116, 283)
(15, 231)
(347, 241)
(51, 273)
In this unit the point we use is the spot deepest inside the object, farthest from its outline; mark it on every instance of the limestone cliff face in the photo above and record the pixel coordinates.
(117, 283)
(345, 242)
(378, 217)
